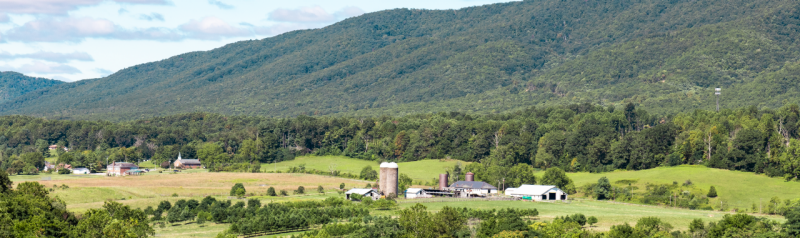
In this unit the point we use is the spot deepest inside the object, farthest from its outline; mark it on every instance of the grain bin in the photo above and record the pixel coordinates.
(443, 181)
(470, 177)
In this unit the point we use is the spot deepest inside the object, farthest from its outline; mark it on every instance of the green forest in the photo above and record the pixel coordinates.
(14, 84)
(574, 138)
(664, 55)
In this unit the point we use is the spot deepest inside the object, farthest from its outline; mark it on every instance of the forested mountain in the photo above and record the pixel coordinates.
(13, 84)
(666, 55)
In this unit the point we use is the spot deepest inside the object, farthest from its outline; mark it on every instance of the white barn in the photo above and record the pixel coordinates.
(81, 171)
(365, 192)
(417, 193)
(538, 193)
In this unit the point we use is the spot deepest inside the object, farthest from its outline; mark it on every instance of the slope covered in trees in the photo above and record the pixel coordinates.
(13, 84)
(667, 55)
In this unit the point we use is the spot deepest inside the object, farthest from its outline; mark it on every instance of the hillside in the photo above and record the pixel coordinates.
(664, 55)
(738, 189)
(13, 84)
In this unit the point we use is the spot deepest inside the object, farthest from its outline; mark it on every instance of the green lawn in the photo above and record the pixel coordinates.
(423, 170)
(738, 189)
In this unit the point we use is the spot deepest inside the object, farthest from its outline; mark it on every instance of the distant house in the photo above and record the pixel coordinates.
(120, 168)
(538, 193)
(81, 171)
(472, 189)
(187, 163)
(48, 166)
(364, 192)
(52, 147)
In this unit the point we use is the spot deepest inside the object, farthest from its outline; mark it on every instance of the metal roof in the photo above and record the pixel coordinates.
(413, 190)
(190, 161)
(527, 189)
(472, 185)
(360, 191)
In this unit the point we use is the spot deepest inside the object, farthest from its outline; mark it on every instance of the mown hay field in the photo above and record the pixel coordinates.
(734, 188)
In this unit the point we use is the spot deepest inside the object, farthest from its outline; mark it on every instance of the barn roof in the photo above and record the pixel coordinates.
(472, 185)
(123, 165)
(190, 162)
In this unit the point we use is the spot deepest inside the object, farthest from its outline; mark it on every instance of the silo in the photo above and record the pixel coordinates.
(382, 176)
(470, 177)
(442, 181)
(391, 179)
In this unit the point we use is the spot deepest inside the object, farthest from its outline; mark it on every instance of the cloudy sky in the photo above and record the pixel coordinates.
(71, 40)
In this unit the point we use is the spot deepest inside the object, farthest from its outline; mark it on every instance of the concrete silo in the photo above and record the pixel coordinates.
(382, 172)
(389, 178)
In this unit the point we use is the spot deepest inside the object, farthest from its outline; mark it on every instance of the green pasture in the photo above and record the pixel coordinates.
(423, 170)
(735, 188)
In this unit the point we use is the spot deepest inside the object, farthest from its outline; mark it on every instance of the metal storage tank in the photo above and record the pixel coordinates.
(391, 179)
(442, 181)
(470, 177)
(382, 172)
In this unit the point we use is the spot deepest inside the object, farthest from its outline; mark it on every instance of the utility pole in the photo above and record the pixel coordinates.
(717, 92)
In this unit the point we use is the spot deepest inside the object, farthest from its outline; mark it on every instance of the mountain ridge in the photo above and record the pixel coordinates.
(507, 56)
(13, 84)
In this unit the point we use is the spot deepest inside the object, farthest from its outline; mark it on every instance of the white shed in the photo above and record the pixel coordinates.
(417, 193)
(538, 193)
(81, 171)
(365, 192)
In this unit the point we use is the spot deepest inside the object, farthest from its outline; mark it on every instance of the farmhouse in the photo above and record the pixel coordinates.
(48, 166)
(81, 171)
(537, 193)
(187, 163)
(120, 169)
(365, 192)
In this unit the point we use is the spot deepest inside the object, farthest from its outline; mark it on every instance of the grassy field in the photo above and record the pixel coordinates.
(738, 189)
(87, 192)
(424, 170)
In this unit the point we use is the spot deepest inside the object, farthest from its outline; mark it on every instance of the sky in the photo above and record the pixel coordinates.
(72, 40)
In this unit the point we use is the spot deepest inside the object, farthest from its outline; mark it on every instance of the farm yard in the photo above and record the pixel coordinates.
(83, 192)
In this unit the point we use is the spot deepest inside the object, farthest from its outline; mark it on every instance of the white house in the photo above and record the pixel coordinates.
(365, 192)
(537, 193)
(81, 171)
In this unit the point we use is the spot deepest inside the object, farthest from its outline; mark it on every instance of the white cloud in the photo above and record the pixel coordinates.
(220, 4)
(212, 28)
(39, 67)
(78, 29)
(59, 7)
(4, 18)
(49, 56)
(152, 17)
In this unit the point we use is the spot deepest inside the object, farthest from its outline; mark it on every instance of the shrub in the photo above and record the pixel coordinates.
(271, 192)
(300, 190)
(712, 192)
(236, 187)
(591, 220)
(174, 195)
(240, 193)
(320, 189)
(64, 171)
(284, 193)
(341, 186)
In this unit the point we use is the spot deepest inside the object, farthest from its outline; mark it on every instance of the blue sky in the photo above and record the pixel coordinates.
(71, 40)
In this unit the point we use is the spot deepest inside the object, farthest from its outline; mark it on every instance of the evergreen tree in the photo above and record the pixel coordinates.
(320, 189)
(271, 192)
(792, 224)
(174, 215)
(712, 192)
(591, 220)
(236, 187)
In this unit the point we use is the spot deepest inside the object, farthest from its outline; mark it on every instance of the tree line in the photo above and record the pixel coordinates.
(580, 137)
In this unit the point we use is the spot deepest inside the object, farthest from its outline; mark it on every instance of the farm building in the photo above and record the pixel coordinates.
(472, 189)
(537, 193)
(48, 166)
(120, 168)
(81, 171)
(417, 193)
(187, 163)
(364, 192)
